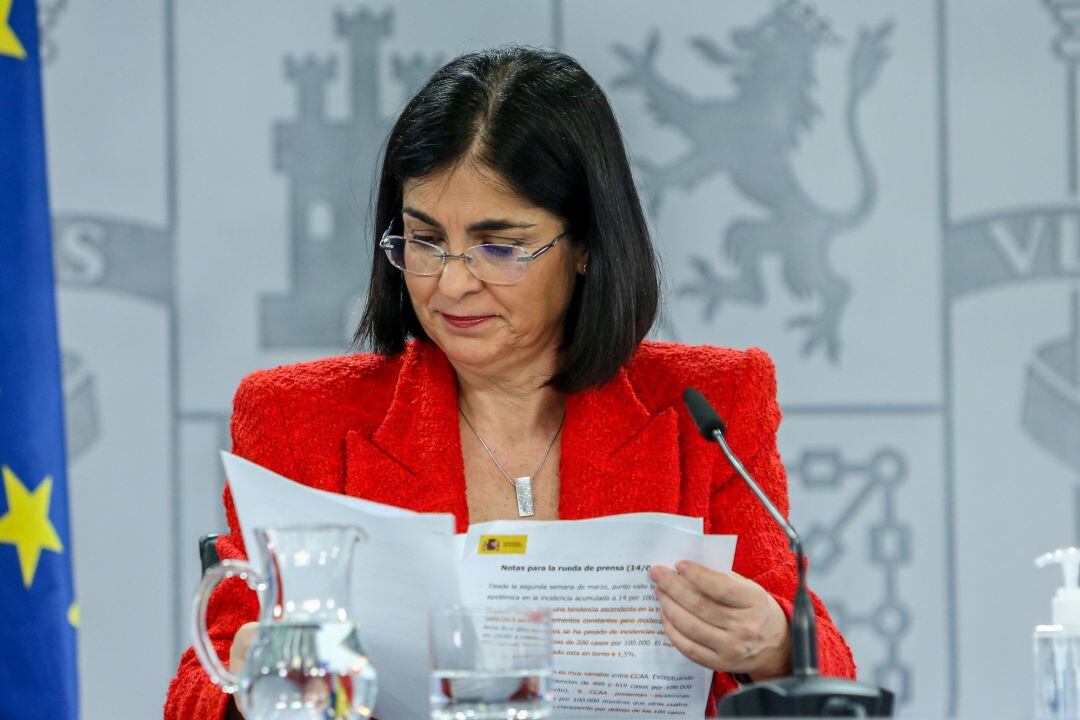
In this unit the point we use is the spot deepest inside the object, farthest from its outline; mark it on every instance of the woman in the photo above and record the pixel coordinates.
(512, 286)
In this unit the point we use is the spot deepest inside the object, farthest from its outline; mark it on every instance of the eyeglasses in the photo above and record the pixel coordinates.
(494, 264)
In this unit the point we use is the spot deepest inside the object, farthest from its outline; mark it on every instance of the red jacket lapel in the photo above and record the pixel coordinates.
(617, 457)
(413, 459)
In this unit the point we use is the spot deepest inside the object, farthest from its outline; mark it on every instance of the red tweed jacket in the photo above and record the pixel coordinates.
(386, 429)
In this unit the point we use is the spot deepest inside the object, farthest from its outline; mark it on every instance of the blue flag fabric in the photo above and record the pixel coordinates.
(38, 614)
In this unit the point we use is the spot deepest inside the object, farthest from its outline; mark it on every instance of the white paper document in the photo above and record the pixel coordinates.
(611, 655)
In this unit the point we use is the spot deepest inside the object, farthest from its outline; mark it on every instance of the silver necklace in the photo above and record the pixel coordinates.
(522, 485)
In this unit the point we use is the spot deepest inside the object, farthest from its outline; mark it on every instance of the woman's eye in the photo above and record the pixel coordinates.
(499, 252)
(428, 239)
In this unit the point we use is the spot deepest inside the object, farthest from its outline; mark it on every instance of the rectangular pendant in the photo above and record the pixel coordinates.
(523, 486)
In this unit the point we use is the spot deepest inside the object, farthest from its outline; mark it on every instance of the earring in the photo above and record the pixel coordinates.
(585, 269)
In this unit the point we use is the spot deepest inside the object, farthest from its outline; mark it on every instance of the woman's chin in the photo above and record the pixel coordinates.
(474, 351)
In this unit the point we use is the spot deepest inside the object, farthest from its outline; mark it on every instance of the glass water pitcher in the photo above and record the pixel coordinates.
(306, 661)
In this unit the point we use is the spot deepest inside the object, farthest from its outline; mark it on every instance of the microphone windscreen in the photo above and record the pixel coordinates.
(705, 417)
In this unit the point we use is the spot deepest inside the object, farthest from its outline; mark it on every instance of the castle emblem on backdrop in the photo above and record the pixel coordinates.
(751, 136)
(330, 167)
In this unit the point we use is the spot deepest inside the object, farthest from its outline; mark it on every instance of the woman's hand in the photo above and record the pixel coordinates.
(237, 659)
(723, 621)
(240, 645)
(316, 690)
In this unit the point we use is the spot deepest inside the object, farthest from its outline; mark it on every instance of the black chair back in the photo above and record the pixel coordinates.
(208, 554)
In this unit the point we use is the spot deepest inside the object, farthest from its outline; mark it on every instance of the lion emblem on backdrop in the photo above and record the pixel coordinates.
(751, 137)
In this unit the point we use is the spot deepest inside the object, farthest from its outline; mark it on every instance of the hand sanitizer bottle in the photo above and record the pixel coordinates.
(1057, 646)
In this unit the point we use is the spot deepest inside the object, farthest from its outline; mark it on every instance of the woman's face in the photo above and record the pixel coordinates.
(489, 329)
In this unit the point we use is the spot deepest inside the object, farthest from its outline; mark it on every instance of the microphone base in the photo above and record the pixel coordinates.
(812, 696)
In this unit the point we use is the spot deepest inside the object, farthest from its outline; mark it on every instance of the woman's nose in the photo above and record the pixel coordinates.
(456, 281)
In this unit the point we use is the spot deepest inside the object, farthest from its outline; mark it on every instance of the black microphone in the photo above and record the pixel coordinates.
(805, 693)
(804, 660)
(705, 417)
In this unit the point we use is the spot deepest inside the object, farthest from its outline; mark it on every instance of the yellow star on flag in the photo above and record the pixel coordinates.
(9, 41)
(26, 524)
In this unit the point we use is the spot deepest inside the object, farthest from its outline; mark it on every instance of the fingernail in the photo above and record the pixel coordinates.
(682, 566)
(657, 572)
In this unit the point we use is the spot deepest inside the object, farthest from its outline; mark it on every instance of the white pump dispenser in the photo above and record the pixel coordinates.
(1065, 609)
(1057, 646)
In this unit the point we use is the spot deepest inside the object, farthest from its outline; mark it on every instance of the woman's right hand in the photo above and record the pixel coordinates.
(237, 658)
(315, 691)
(240, 645)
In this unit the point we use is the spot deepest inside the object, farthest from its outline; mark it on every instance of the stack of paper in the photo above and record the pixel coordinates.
(611, 656)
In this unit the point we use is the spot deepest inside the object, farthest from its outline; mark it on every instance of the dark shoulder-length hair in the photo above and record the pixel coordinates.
(542, 124)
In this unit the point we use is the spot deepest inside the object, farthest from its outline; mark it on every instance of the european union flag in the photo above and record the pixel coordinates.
(38, 614)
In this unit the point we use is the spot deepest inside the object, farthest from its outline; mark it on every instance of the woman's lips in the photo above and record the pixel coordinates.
(465, 321)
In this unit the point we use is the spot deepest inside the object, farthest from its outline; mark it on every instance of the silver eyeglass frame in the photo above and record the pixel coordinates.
(387, 247)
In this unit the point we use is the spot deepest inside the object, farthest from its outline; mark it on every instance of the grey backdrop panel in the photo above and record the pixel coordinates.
(882, 195)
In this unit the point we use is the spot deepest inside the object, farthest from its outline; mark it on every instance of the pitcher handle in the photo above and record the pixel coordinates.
(217, 671)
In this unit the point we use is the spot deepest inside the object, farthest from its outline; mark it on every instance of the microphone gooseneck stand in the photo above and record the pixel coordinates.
(806, 693)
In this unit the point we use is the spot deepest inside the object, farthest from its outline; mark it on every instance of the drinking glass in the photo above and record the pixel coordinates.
(490, 663)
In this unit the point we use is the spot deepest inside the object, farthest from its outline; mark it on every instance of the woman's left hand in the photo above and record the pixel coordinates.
(723, 621)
